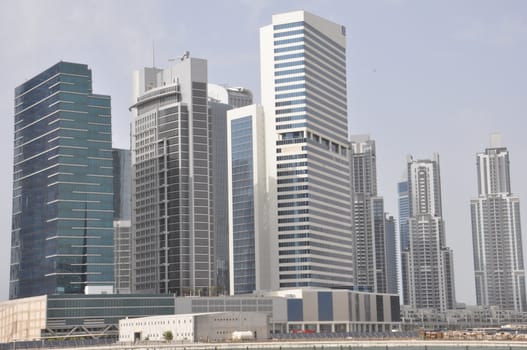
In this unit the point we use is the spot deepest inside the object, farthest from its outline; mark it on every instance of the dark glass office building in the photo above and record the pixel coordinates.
(62, 229)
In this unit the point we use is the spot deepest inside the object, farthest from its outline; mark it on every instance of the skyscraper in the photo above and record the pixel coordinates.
(122, 212)
(496, 234)
(62, 234)
(221, 99)
(253, 262)
(368, 217)
(391, 255)
(404, 213)
(122, 184)
(171, 184)
(429, 269)
(303, 84)
(404, 236)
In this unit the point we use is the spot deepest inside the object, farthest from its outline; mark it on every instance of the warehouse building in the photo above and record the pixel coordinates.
(211, 326)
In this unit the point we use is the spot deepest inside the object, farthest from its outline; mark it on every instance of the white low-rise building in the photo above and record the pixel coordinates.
(199, 327)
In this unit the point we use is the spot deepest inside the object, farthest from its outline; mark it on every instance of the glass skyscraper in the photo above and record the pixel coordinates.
(122, 200)
(250, 222)
(62, 234)
(243, 205)
(220, 100)
(391, 254)
(122, 184)
(404, 213)
(404, 239)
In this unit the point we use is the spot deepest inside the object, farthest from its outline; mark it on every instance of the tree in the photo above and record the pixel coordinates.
(168, 336)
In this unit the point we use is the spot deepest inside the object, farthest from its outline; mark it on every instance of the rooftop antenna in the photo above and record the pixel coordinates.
(185, 55)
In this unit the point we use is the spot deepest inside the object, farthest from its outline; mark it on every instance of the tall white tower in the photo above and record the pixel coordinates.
(303, 84)
(496, 234)
(429, 274)
(368, 217)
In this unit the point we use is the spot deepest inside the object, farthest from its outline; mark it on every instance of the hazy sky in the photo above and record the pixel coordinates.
(423, 77)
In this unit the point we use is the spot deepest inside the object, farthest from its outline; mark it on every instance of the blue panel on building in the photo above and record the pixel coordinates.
(325, 306)
(295, 310)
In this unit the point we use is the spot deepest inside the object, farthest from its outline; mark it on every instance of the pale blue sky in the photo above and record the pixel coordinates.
(423, 77)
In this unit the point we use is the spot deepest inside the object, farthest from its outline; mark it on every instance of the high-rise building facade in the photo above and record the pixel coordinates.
(62, 228)
(304, 95)
(496, 234)
(429, 265)
(404, 238)
(122, 184)
(221, 99)
(379, 241)
(122, 224)
(252, 262)
(123, 256)
(368, 217)
(404, 213)
(391, 255)
(173, 246)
